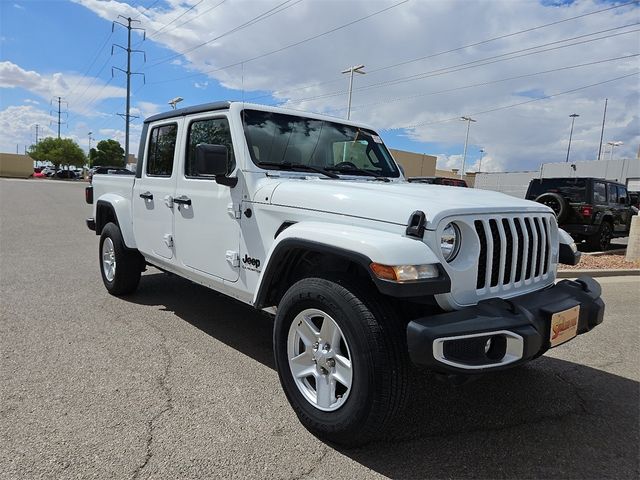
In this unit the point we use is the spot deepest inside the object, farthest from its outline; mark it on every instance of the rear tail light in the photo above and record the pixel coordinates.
(586, 210)
(88, 195)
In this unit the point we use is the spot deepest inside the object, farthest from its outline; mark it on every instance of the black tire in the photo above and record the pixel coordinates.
(557, 203)
(127, 271)
(601, 240)
(377, 347)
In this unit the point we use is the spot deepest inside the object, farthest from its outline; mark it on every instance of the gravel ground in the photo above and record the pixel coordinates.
(602, 262)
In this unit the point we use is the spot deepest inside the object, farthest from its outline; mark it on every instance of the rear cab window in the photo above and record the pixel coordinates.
(161, 150)
(613, 193)
(572, 189)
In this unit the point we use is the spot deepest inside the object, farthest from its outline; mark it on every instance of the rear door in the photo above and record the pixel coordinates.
(207, 229)
(153, 192)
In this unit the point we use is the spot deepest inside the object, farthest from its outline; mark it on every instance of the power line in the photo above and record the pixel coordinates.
(482, 84)
(177, 18)
(433, 55)
(262, 16)
(477, 63)
(187, 21)
(291, 45)
(504, 107)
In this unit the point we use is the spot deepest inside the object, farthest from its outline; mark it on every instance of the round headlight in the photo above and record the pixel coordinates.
(450, 242)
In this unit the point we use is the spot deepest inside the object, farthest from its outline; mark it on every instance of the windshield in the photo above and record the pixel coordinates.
(275, 138)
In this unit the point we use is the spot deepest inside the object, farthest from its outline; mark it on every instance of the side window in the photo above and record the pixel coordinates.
(613, 194)
(214, 131)
(162, 146)
(622, 194)
(599, 193)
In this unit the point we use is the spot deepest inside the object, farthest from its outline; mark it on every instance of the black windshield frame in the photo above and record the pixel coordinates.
(274, 137)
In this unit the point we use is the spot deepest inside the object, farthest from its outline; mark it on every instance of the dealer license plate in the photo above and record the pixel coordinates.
(564, 325)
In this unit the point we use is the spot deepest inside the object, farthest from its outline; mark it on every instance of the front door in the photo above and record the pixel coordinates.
(153, 193)
(207, 227)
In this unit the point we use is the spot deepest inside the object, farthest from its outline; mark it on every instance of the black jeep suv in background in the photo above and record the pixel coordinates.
(590, 209)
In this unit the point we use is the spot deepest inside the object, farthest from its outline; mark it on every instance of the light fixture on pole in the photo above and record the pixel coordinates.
(573, 119)
(175, 101)
(466, 142)
(481, 157)
(351, 71)
(613, 143)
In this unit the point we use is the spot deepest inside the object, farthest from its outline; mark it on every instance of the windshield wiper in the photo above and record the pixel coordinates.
(299, 167)
(369, 173)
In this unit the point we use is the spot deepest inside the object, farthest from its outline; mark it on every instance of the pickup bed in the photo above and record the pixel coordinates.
(311, 219)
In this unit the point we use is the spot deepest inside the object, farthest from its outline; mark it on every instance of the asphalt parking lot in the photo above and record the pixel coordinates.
(178, 381)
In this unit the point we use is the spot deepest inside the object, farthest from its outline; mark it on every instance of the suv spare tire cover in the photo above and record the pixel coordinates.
(556, 202)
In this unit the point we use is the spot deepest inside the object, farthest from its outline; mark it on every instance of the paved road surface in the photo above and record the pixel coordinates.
(179, 382)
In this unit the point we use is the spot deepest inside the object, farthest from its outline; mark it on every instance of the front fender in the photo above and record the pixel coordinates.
(121, 208)
(359, 244)
(569, 254)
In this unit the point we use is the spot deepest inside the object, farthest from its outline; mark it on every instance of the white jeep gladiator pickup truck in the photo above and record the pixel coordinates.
(310, 218)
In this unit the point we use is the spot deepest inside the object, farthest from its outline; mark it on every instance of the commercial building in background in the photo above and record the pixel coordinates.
(625, 171)
(424, 165)
(15, 165)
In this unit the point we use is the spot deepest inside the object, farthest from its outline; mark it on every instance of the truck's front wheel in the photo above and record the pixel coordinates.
(120, 267)
(341, 358)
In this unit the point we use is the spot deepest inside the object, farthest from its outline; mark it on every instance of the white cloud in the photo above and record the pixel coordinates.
(201, 85)
(516, 138)
(17, 126)
(32, 102)
(81, 93)
(18, 6)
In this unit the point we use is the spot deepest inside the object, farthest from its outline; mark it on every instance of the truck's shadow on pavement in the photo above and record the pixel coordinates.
(550, 419)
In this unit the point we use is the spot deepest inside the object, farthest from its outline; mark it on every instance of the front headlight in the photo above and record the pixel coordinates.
(450, 242)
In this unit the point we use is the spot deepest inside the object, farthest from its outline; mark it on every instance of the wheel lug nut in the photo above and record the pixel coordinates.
(331, 362)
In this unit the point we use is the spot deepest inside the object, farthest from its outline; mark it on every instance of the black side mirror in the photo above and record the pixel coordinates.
(214, 161)
(622, 200)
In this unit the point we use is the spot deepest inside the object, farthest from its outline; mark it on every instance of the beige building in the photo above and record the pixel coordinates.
(15, 165)
(424, 165)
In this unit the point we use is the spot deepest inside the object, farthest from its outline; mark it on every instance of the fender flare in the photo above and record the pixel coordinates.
(121, 209)
(359, 245)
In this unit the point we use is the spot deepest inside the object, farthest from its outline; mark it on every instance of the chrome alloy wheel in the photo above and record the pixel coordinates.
(319, 359)
(108, 259)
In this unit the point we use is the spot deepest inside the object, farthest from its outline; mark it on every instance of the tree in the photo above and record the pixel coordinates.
(107, 153)
(59, 151)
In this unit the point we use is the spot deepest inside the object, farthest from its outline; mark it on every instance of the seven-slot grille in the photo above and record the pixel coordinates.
(513, 250)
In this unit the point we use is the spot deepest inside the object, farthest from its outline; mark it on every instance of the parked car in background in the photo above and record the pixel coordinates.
(589, 209)
(454, 182)
(68, 174)
(38, 173)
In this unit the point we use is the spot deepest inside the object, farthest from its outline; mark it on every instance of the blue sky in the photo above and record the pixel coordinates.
(60, 47)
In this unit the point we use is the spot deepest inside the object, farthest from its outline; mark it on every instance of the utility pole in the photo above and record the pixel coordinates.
(604, 115)
(614, 143)
(351, 71)
(89, 151)
(573, 119)
(466, 142)
(60, 112)
(37, 127)
(127, 115)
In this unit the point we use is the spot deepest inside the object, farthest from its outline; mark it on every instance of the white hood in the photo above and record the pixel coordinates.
(395, 202)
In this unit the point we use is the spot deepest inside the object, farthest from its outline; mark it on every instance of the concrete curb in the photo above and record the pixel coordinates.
(632, 272)
(617, 251)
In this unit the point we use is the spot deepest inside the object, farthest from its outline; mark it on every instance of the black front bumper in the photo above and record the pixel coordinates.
(521, 325)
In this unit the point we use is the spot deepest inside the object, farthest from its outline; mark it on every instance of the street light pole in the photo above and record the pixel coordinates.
(89, 152)
(466, 142)
(351, 71)
(573, 119)
(481, 157)
(613, 144)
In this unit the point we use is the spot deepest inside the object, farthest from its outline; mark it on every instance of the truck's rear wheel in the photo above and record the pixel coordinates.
(120, 267)
(601, 240)
(341, 357)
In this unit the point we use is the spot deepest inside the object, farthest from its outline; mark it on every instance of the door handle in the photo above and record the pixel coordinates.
(147, 195)
(182, 200)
